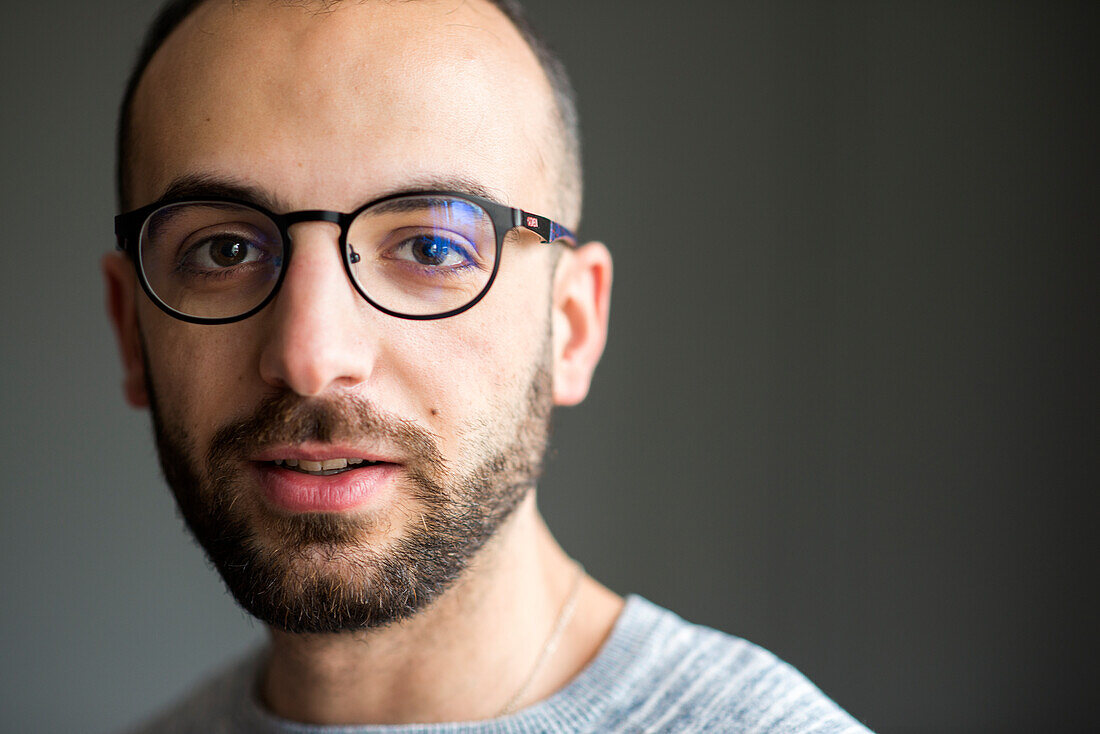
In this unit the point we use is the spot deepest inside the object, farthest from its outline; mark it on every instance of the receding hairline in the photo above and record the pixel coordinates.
(566, 181)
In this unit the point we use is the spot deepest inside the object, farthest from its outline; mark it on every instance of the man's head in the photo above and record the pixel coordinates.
(304, 107)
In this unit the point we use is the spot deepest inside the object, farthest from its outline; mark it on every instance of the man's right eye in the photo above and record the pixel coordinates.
(221, 252)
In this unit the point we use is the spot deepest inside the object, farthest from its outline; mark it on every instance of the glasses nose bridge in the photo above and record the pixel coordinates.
(289, 219)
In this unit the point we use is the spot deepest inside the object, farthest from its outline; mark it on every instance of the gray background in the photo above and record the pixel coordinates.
(847, 411)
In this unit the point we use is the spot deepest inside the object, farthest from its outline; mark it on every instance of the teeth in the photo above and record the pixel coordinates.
(318, 466)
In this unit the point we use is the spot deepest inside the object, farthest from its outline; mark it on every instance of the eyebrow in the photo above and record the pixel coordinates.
(199, 185)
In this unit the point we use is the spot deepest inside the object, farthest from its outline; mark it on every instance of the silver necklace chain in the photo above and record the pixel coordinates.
(552, 641)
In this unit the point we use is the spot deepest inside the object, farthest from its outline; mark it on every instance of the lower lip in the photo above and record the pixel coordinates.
(293, 491)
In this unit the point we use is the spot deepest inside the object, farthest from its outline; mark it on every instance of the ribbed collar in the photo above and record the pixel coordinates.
(573, 708)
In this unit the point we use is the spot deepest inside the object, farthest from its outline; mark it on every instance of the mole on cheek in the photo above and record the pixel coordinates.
(435, 411)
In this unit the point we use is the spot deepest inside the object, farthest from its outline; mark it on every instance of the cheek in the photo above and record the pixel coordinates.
(199, 374)
(479, 361)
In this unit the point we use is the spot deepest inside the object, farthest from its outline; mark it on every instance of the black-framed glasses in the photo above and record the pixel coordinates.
(424, 255)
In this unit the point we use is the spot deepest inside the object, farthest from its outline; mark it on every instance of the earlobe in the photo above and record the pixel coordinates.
(582, 300)
(121, 284)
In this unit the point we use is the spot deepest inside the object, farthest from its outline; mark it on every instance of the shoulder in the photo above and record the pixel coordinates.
(685, 677)
(213, 706)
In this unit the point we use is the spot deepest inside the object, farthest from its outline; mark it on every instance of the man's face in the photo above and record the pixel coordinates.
(329, 111)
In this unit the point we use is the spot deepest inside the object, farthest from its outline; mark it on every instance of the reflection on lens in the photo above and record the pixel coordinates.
(422, 255)
(210, 259)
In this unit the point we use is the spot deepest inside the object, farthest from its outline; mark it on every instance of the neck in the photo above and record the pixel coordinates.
(461, 659)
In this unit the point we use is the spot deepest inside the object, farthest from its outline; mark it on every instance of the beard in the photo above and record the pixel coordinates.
(325, 573)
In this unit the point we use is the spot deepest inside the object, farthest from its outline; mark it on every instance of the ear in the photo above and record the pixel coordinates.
(582, 300)
(121, 282)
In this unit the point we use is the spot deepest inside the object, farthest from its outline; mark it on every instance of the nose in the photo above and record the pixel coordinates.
(317, 335)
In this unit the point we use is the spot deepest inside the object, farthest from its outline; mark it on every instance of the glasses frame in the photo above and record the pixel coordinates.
(128, 228)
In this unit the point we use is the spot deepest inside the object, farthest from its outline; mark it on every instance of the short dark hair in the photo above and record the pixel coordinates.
(569, 180)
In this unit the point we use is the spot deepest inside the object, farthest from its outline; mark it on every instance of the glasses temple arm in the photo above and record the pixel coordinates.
(548, 230)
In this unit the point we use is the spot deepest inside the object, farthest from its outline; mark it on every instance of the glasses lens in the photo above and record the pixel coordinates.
(210, 259)
(422, 255)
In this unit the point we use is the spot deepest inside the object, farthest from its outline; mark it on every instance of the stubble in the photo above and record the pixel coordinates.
(320, 573)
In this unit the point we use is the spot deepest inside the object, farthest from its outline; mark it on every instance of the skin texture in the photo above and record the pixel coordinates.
(328, 110)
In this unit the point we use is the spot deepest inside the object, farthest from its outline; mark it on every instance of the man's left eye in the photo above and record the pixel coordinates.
(433, 250)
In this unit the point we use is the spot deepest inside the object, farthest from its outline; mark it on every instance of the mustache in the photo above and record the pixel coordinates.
(286, 418)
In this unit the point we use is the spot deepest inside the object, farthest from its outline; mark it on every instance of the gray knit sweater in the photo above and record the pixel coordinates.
(655, 673)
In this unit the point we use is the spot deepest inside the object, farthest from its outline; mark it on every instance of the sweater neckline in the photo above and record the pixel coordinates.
(579, 703)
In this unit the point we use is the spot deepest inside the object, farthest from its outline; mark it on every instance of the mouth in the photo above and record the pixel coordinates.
(325, 479)
(325, 468)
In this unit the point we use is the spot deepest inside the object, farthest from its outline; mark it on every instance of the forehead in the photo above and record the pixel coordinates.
(327, 108)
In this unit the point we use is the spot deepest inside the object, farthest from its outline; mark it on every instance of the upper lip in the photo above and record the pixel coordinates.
(322, 452)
